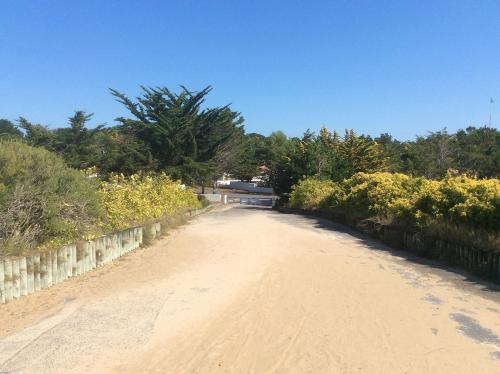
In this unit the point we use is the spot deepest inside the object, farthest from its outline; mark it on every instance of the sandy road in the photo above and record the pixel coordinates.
(253, 291)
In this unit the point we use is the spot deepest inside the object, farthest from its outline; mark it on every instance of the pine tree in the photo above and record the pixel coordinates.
(361, 154)
(184, 138)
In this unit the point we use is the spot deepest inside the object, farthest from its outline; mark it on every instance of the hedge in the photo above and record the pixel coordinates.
(455, 207)
(44, 203)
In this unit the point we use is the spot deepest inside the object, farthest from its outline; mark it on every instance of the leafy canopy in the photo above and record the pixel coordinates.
(183, 137)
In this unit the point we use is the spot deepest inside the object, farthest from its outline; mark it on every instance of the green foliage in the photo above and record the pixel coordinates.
(8, 130)
(139, 198)
(43, 202)
(175, 133)
(118, 151)
(41, 199)
(312, 193)
(466, 201)
(183, 138)
(110, 150)
(326, 156)
(375, 194)
(76, 142)
(452, 204)
(203, 201)
(477, 151)
(473, 151)
(35, 134)
(253, 151)
(360, 154)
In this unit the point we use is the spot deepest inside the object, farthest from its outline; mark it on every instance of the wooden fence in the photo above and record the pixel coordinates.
(22, 276)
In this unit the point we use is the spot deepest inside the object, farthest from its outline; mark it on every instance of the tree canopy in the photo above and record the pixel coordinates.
(184, 138)
(177, 133)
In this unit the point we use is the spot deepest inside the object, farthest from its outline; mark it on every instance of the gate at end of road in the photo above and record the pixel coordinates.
(258, 201)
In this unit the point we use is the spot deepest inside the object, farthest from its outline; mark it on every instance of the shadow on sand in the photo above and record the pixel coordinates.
(457, 276)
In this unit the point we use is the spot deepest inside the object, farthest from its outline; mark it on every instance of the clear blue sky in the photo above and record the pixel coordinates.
(404, 67)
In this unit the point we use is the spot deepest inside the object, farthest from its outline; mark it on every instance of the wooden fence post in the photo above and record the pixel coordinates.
(23, 273)
(8, 279)
(61, 264)
(16, 289)
(106, 250)
(36, 271)
(49, 274)
(30, 274)
(93, 257)
(88, 258)
(80, 253)
(85, 258)
(44, 274)
(2, 282)
(101, 244)
(55, 269)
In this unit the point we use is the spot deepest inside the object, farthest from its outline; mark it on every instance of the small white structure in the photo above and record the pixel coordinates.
(212, 197)
(249, 187)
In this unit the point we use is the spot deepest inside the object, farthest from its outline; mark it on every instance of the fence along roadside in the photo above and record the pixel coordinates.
(22, 276)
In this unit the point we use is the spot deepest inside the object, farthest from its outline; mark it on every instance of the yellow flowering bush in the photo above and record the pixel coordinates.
(418, 201)
(138, 198)
(471, 201)
(312, 193)
(375, 194)
(424, 204)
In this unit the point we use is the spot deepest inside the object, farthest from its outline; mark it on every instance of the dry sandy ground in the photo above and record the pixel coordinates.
(253, 291)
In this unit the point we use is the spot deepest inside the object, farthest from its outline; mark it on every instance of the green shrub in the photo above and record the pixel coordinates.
(42, 201)
(471, 201)
(139, 198)
(375, 194)
(45, 203)
(455, 207)
(314, 193)
(203, 201)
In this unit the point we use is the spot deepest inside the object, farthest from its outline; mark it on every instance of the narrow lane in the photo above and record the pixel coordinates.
(249, 290)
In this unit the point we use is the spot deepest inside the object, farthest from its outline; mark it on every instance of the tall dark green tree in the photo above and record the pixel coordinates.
(183, 137)
(36, 134)
(477, 151)
(76, 143)
(360, 153)
(108, 149)
(8, 130)
(254, 151)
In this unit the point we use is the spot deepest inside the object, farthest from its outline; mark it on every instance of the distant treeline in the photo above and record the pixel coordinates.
(174, 133)
(332, 156)
(166, 132)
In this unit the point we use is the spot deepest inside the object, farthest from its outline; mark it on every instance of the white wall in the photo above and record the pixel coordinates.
(212, 197)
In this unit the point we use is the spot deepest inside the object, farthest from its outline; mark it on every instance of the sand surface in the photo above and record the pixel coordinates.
(250, 290)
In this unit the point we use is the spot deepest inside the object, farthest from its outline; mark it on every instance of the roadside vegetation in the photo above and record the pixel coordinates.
(175, 133)
(445, 183)
(45, 203)
(138, 198)
(41, 199)
(457, 209)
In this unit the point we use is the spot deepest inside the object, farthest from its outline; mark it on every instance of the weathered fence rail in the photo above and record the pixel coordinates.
(22, 276)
